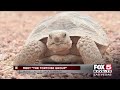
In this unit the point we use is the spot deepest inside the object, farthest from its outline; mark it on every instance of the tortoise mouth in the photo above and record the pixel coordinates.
(59, 47)
(57, 44)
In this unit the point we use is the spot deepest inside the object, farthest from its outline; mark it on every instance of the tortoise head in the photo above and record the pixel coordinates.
(59, 40)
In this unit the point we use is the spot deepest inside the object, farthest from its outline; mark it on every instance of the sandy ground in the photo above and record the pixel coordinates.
(16, 26)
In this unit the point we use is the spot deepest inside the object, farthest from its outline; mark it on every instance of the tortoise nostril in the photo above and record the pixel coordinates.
(64, 35)
(50, 36)
(56, 39)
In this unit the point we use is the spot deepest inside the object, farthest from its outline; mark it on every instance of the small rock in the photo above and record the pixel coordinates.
(4, 56)
(13, 78)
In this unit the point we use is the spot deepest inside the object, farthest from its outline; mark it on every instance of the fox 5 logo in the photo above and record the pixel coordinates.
(102, 67)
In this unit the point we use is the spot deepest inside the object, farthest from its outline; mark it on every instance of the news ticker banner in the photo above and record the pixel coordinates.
(54, 68)
(96, 69)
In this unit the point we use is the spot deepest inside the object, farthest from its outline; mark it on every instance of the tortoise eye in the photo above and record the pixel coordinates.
(64, 35)
(50, 36)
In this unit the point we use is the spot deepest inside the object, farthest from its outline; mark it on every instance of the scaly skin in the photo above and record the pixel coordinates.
(30, 53)
(89, 51)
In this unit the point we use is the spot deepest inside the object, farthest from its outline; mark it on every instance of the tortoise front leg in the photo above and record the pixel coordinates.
(89, 51)
(30, 53)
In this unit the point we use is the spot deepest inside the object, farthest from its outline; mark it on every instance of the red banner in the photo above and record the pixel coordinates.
(46, 67)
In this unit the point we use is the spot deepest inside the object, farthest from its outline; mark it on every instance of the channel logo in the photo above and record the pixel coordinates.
(102, 70)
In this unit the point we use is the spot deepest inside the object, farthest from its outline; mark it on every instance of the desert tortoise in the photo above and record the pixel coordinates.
(65, 37)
